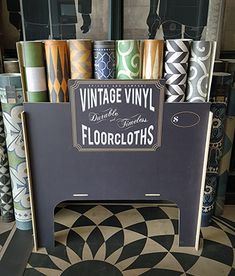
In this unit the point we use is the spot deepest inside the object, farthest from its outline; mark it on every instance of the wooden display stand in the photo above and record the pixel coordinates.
(58, 171)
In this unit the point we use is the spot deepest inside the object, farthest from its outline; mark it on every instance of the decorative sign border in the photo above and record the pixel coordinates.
(160, 85)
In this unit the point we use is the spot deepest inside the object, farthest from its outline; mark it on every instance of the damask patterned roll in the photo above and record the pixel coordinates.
(128, 59)
(57, 70)
(17, 164)
(152, 59)
(6, 198)
(104, 59)
(200, 71)
(176, 67)
(81, 58)
(215, 154)
(221, 87)
(33, 59)
(224, 165)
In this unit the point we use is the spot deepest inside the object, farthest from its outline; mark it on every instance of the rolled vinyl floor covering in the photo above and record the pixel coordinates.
(104, 59)
(200, 71)
(57, 70)
(152, 59)
(176, 67)
(80, 51)
(128, 54)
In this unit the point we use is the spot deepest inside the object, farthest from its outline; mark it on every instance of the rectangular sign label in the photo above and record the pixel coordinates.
(116, 115)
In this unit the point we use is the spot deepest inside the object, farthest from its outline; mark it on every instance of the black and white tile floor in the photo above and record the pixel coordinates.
(136, 240)
(5, 233)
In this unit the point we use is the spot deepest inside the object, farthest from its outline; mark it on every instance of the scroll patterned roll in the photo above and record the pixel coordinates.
(176, 67)
(215, 154)
(224, 165)
(104, 59)
(128, 59)
(17, 163)
(33, 59)
(152, 59)
(57, 70)
(81, 58)
(6, 198)
(201, 66)
(12, 106)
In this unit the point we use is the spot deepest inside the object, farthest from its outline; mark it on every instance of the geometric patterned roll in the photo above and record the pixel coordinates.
(176, 67)
(35, 71)
(6, 199)
(17, 164)
(81, 58)
(57, 70)
(152, 59)
(200, 71)
(104, 59)
(128, 59)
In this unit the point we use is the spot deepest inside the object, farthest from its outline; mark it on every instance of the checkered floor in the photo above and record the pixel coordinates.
(132, 240)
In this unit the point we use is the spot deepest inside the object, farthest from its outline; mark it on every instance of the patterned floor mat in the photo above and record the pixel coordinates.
(131, 240)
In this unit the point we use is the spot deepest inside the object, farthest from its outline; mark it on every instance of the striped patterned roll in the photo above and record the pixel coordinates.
(200, 70)
(104, 59)
(80, 58)
(128, 59)
(33, 65)
(176, 67)
(152, 59)
(57, 70)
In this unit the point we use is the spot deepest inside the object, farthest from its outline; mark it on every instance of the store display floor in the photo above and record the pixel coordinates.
(132, 240)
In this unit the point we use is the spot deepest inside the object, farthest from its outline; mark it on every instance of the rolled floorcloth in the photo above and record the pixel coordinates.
(152, 59)
(12, 106)
(57, 70)
(128, 54)
(224, 165)
(80, 52)
(201, 65)
(6, 198)
(215, 154)
(104, 59)
(31, 57)
(176, 67)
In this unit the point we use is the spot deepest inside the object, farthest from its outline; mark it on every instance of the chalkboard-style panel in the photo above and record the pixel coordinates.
(117, 115)
(60, 172)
